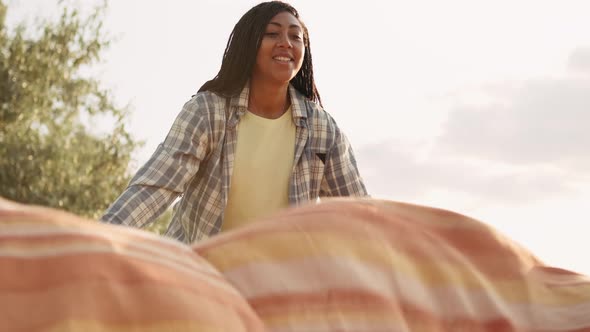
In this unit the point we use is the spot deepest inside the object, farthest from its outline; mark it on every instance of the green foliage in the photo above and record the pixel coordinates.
(48, 152)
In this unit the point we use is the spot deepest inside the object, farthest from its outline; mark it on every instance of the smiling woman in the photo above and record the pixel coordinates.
(279, 58)
(253, 140)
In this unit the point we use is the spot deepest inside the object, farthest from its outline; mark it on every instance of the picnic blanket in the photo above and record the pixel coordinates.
(341, 265)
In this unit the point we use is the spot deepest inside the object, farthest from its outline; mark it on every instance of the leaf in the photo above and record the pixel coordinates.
(50, 156)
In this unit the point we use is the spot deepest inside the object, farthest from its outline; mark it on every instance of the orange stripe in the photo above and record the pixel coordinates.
(25, 274)
(61, 234)
(376, 213)
(421, 240)
(356, 306)
(69, 225)
(166, 326)
(37, 244)
(115, 303)
(433, 261)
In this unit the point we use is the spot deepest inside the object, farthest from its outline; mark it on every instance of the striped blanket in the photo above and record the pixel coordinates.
(342, 265)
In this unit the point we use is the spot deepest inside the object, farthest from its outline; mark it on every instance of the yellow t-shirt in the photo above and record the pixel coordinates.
(263, 164)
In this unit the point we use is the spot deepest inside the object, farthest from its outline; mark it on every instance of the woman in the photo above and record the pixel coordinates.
(252, 140)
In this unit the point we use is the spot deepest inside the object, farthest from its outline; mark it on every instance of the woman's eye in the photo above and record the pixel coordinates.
(296, 37)
(271, 34)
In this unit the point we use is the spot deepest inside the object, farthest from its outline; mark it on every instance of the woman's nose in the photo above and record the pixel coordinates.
(284, 41)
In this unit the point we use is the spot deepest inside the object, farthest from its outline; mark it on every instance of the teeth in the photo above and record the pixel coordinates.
(281, 58)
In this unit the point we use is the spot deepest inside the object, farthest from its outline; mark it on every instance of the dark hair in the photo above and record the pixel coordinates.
(240, 53)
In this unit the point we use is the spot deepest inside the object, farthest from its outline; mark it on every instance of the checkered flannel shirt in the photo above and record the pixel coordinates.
(196, 160)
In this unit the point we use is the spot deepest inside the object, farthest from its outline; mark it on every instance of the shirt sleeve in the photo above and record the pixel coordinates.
(164, 177)
(341, 174)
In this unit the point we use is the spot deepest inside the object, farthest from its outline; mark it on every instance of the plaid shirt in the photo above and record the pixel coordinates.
(196, 159)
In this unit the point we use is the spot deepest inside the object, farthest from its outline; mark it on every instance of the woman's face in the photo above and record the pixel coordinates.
(281, 51)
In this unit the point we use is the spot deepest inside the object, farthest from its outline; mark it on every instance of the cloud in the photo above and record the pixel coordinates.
(579, 60)
(543, 121)
(405, 172)
(520, 142)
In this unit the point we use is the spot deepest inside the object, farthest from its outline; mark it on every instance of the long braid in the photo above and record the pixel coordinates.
(304, 81)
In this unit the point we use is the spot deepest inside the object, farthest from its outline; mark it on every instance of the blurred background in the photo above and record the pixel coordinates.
(475, 106)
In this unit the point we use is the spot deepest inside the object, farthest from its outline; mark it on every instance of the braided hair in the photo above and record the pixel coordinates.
(239, 57)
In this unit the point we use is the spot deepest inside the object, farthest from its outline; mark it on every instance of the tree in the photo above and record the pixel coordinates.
(49, 154)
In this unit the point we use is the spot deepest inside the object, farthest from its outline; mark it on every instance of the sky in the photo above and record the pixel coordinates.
(478, 107)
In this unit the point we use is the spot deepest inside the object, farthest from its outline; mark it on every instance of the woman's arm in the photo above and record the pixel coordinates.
(166, 174)
(341, 175)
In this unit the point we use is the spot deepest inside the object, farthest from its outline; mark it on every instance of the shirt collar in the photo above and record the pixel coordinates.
(239, 103)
